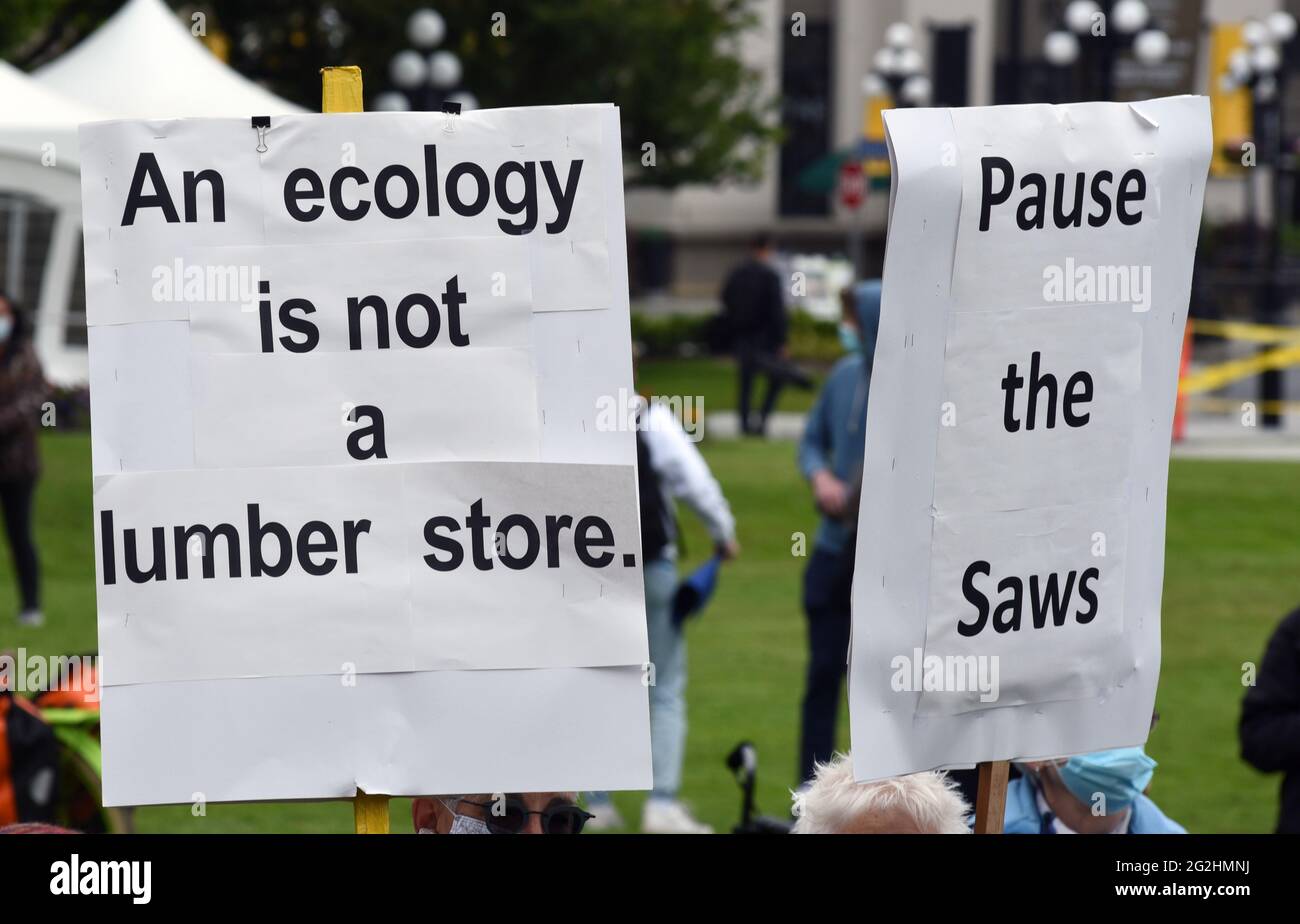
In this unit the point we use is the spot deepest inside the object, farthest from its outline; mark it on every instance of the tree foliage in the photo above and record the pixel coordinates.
(672, 66)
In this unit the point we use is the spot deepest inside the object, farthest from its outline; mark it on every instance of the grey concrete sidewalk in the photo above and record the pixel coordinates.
(1207, 437)
(1226, 438)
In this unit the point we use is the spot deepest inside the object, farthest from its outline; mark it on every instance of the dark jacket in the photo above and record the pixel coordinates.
(1270, 718)
(754, 308)
(22, 392)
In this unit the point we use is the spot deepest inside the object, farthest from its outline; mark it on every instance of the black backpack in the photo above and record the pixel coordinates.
(29, 763)
(658, 522)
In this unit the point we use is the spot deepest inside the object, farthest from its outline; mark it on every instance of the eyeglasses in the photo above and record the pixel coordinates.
(556, 819)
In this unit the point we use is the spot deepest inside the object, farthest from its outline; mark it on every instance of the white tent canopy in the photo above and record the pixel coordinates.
(142, 63)
(34, 114)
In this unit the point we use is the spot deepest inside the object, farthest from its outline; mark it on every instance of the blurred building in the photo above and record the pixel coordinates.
(975, 52)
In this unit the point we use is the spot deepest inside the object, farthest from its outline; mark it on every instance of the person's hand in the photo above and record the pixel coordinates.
(830, 493)
(728, 550)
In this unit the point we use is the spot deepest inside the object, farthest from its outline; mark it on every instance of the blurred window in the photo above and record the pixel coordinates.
(26, 229)
(806, 68)
(74, 327)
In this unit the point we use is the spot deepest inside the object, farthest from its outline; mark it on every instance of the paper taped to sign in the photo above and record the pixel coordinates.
(335, 408)
(367, 177)
(1038, 408)
(474, 292)
(367, 568)
(1036, 597)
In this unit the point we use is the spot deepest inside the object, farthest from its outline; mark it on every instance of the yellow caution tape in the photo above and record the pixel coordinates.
(1220, 374)
(1240, 330)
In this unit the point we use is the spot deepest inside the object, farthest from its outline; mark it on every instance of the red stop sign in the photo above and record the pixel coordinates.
(853, 185)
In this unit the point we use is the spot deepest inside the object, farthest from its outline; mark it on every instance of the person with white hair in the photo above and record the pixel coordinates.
(919, 803)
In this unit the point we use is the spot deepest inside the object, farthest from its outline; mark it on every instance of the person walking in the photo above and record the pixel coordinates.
(669, 468)
(22, 393)
(830, 458)
(756, 318)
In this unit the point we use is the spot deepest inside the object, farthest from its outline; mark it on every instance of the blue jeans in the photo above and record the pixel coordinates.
(668, 692)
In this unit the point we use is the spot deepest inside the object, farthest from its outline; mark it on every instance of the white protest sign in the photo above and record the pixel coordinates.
(1006, 593)
(353, 503)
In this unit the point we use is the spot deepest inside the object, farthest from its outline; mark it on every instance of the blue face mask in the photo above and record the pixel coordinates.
(849, 338)
(1119, 775)
(6, 328)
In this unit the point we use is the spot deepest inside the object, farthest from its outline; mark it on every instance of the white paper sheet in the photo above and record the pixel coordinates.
(429, 733)
(325, 408)
(1039, 590)
(491, 273)
(1051, 458)
(340, 569)
(141, 406)
(539, 614)
(295, 623)
(258, 191)
(1058, 143)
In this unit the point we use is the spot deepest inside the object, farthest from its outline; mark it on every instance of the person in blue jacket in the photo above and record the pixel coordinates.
(830, 457)
(1098, 793)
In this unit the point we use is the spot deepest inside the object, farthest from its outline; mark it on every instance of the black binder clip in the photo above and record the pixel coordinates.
(451, 111)
(261, 123)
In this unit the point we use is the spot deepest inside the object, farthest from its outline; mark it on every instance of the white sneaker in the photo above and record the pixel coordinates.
(32, 619)
(668, 816)
(607, 818)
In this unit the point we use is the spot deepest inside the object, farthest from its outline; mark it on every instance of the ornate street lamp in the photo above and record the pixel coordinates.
(425, 78)
(1260, 68)
(897, 70)
(1109, 28)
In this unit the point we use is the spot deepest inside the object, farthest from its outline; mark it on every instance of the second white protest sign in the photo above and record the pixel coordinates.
(1006, 597)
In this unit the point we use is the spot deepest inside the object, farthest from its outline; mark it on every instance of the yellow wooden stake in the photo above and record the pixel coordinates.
(370, 813)
(340, 91)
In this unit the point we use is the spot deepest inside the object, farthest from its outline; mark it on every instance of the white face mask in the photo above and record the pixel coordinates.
(6, 328)
(463, 824)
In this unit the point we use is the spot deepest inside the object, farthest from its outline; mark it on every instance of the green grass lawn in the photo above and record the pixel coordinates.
(713, 379)
(1231, 565)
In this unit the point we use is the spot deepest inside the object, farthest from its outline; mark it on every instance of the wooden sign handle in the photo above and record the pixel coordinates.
(991, 801)
(340, 91)
(370, 813)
